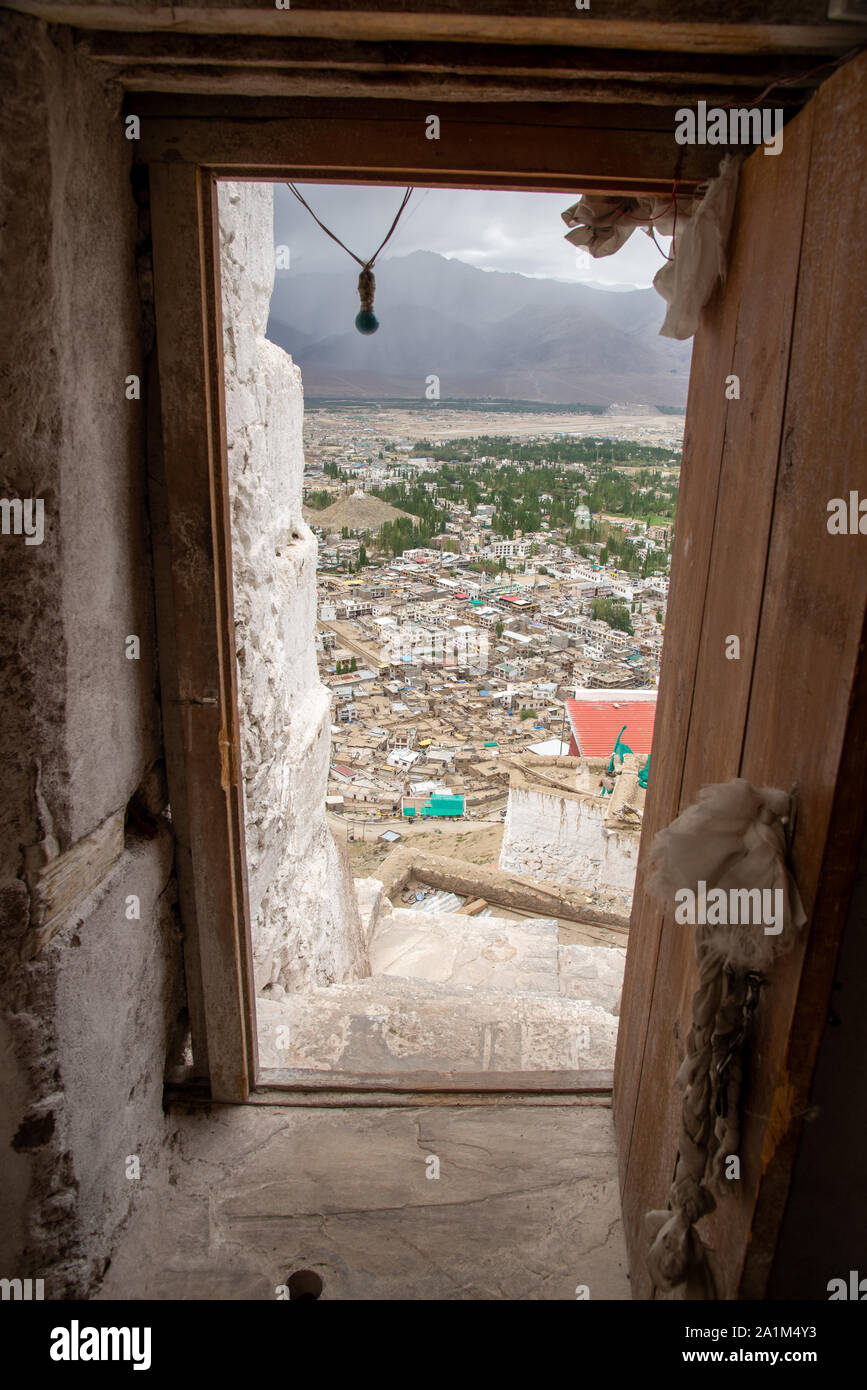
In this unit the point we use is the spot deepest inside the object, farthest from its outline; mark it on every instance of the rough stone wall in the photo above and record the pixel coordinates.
(86, 1021)
(564, 839)
(306, 926)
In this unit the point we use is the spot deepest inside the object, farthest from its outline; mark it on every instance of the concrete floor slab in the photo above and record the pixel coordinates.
(525, 1206)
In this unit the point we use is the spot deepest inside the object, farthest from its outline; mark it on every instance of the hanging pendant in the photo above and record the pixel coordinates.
(366, 321)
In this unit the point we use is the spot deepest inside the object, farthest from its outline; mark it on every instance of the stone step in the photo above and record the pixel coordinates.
(594, 973)
(490, 953)
(386, 1024)
(372, 902)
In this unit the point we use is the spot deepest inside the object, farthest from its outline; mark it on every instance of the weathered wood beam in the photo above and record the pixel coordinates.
(695, 26)
(566, 147)
(534, 116)
(324, 1088)
(396, 83)
(553, 1082)
(59, 885)
(502, 59)
(807, 12)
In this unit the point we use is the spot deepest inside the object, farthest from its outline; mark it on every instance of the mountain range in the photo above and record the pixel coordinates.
(485, 334)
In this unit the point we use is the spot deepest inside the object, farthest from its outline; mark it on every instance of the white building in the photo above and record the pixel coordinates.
(580, 838)
(508, 550)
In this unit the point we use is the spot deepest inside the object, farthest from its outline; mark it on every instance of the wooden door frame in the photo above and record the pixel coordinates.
(195, 621)
(190, 144)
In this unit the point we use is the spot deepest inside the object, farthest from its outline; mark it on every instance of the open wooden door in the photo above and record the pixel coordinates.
(754, 558)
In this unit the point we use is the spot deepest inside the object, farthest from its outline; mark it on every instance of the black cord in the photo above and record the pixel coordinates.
(365, 265)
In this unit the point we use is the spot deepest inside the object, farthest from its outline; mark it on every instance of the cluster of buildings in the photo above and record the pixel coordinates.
(450, 661)
(438, 675)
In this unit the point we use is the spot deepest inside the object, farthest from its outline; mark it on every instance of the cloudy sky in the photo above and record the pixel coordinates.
(492, 230)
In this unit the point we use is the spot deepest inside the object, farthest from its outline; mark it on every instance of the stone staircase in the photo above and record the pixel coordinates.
(450, 992)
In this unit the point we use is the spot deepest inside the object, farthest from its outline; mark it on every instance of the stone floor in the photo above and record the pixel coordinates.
(495, 1200)
(455, 993)
(525, 1206)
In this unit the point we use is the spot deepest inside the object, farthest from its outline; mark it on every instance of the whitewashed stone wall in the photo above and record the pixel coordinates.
(306, 927)
(564, 839)
(88, 1021)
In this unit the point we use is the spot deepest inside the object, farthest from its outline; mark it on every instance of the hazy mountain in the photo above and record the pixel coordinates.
(483, 333)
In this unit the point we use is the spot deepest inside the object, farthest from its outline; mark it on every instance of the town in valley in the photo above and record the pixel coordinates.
(480, 566)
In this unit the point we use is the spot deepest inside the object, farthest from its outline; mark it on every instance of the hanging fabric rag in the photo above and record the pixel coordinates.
(620, 748)
(731, 843)
(699, 227)
(366, 320)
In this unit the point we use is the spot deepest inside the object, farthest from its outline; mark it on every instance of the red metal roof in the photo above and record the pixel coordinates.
(596, 724)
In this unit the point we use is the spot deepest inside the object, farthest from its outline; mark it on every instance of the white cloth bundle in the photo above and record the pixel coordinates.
(602, 225)
(687, 282)
(700, 226)
(730, 843)
(732, 838)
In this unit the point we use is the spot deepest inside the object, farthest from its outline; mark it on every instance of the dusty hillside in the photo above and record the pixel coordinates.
(479, 846)
(355, 512)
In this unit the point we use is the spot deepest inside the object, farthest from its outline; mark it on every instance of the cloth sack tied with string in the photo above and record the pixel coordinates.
(732, 838)
(699, 227)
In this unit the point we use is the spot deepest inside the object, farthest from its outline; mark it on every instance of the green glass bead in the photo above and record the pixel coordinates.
(366, 321)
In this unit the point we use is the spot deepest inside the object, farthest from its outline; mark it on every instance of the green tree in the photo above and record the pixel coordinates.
(615, 614)
(353, 665)
(527, 714)
(318, 500)
(498, 629)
